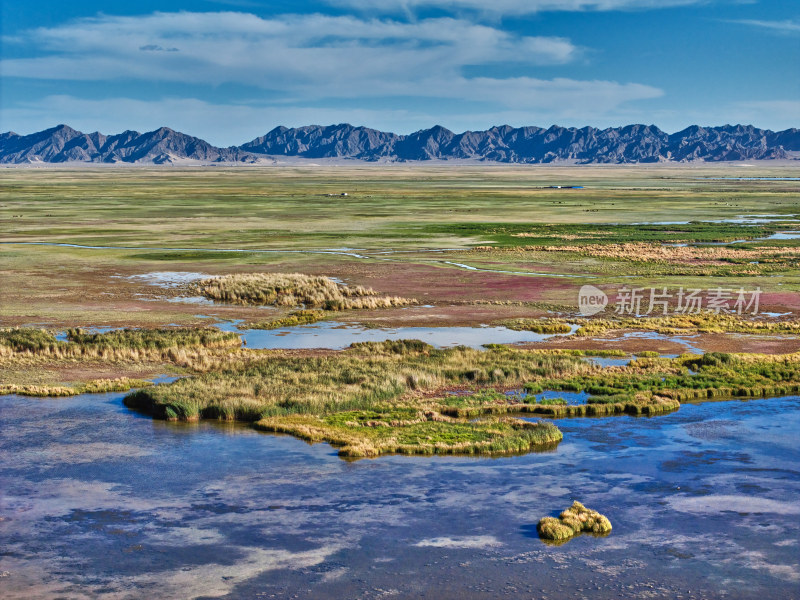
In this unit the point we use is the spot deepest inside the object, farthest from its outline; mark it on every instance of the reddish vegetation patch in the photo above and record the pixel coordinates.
(609, 342)
(706, 342)
(439, 315)
(431, 283)
(780, 302)
(720, 342)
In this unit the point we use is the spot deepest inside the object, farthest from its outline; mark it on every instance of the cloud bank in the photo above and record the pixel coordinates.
(304, 57)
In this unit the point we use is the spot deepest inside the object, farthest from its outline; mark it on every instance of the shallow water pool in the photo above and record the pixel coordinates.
(335, 336)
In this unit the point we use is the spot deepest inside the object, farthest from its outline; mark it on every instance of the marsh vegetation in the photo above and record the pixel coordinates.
(414, 230)
(572, 521)
(294, 318)
(704, 322)
(32, 360)
(293, 289)
(342, 397)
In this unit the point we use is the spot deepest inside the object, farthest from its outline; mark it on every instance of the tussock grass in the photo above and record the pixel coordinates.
(28, 339)
(191, 348)
(293, 289)
(481, 403)
(299, 317)
(705, 322)
(572, 521)
(121, 384)
(160, 339)
(673, 255)
(538, 325)
(41, 342)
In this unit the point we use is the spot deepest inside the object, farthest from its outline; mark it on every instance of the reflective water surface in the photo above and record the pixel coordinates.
(334, 335)
(98, 501)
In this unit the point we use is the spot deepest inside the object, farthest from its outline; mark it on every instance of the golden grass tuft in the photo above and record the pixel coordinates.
(95, 386)
(572, 521)
(293, 289)
(657, 252)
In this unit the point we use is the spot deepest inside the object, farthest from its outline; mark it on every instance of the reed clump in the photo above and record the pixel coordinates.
(293, 289)
(182, 346)
(572, 521)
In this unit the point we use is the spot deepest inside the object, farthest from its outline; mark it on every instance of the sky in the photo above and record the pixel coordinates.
(231, 70)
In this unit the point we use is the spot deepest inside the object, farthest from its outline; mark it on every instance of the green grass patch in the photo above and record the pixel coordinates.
(299, 317)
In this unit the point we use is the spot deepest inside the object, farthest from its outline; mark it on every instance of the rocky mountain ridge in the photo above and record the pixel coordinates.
(503, 144)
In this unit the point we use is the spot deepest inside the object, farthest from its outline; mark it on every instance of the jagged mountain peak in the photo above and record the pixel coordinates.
(503, 143)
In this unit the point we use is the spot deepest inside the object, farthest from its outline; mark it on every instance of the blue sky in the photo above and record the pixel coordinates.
(230, 70)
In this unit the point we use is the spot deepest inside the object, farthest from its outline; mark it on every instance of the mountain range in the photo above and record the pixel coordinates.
(503, 144)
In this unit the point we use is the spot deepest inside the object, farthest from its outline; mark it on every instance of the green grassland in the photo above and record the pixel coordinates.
(497, 218)
(288, 207)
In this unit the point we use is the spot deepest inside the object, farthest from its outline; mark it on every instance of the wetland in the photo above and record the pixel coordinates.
(224, 383)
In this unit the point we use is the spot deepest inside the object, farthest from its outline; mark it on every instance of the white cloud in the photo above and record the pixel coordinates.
(510, 7)
(308, 66)
(328, 54)
(786, 26)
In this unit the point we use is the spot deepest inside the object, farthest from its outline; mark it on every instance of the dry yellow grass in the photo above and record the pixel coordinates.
(293, 289)
(120, 384)
(648, 252)
(574, 520)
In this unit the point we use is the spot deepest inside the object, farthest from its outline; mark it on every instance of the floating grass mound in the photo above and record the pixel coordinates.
(95, 386)
(33, 361)
(298, 317)
(574, 520)
(360, 434)
(293, 289)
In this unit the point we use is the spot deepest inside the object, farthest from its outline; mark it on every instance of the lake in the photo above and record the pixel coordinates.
(103, 502)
